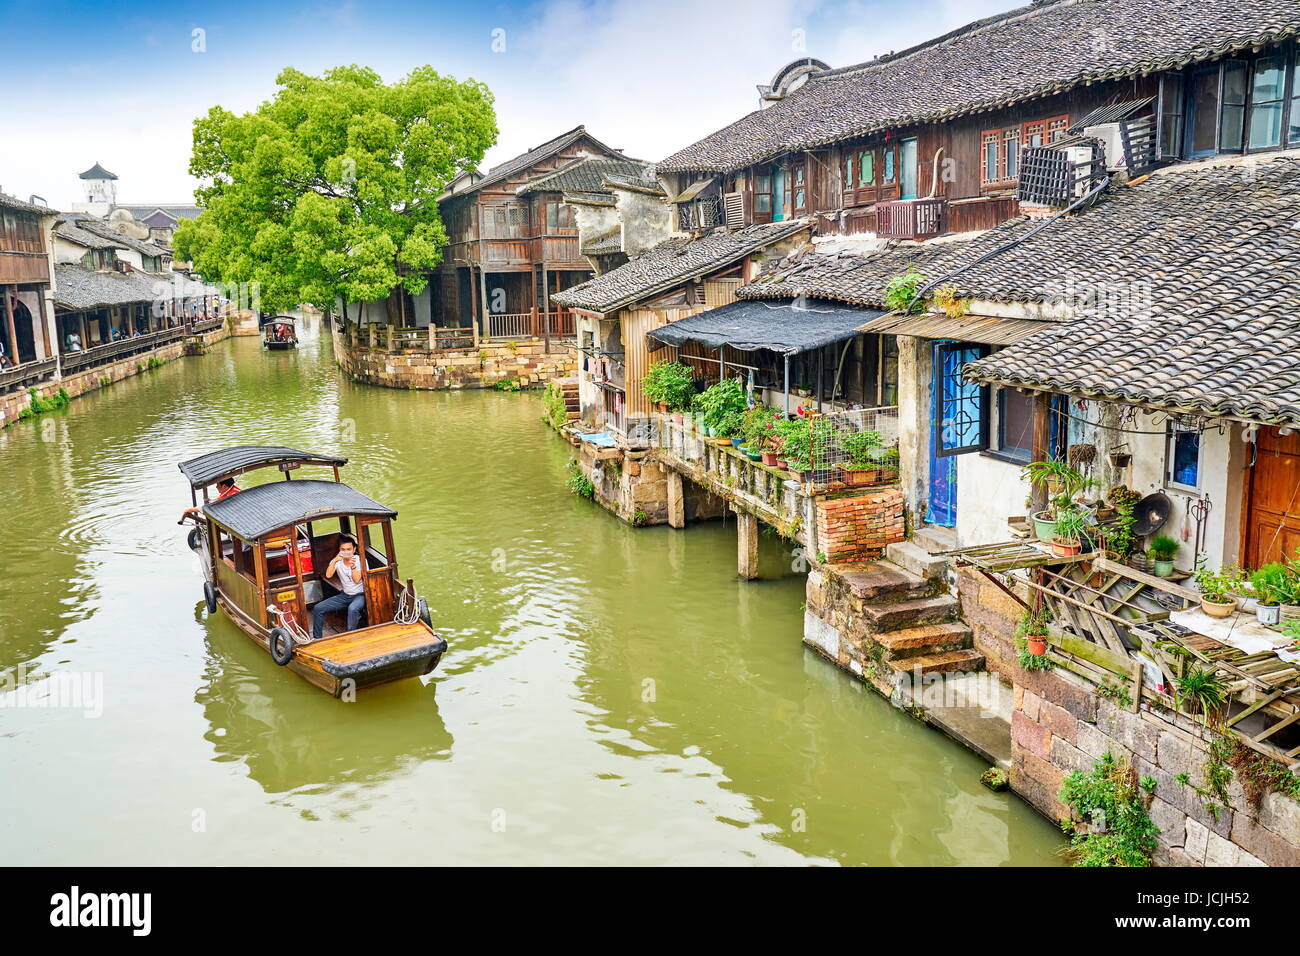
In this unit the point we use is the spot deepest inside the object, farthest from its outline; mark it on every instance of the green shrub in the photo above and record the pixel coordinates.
(1163, 547)
(1107, 796)
(861, 447)
(579, 483)
(723, 406)
(671, 384)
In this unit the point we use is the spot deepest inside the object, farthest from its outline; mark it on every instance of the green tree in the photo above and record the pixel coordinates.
(329, 189)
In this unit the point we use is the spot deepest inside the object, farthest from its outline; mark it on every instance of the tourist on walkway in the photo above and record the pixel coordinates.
(347, 563)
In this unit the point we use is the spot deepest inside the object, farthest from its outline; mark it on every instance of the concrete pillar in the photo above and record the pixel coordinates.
(915, 369)
(676, 500)
(746, 546)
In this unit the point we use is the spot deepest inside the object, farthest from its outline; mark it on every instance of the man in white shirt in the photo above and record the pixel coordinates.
(347, 566)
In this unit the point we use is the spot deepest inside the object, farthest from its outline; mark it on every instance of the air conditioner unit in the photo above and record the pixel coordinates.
(1082, 159)
(1111, 141)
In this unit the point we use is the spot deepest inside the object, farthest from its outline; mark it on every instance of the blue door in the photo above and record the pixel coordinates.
(958, 425)
(778, 193)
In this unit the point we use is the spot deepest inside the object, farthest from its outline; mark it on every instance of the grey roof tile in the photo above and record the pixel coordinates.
(1032, 51)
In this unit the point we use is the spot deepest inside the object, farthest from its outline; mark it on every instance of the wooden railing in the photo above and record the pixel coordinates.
(532, 324)
(206, 325)
(116, 351)
(27, 375)
(22, 267)
(910, 218)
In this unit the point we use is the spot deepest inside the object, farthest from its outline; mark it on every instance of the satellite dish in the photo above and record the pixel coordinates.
(1151, 513)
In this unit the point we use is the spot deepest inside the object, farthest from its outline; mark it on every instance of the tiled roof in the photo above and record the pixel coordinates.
(1034, 51)
(860, 278)
(584, 175)
(143, 212)
(76, 288)
(97, 234)
(535, 155)
(9, 202)
(1194, 304)
(645, 184)
(1178, 292)
(672, 262)
(97, 172)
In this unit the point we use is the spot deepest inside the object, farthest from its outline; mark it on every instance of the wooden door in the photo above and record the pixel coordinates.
(1273, 513)
(377, 560)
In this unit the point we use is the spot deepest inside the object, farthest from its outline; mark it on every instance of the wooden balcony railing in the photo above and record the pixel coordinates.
(27, 375)
(534, 324)
(23, 267)
(910, 218)
(116, 351)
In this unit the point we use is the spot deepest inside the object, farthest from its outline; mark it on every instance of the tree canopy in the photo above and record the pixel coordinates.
(324, 190)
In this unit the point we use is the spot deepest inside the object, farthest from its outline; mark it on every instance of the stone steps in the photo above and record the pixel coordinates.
(884, 581)
(913, 558)
(899, 615)
(945, 662)
(914, 642)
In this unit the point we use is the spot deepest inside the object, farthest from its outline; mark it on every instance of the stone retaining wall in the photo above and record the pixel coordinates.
(528, 361)
(79, 383)
(1060, 723)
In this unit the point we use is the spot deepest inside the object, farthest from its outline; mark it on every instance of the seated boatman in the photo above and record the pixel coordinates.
(347, 564)
(226, 486)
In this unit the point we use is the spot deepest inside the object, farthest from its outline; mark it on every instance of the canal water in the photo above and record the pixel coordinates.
(610, 696)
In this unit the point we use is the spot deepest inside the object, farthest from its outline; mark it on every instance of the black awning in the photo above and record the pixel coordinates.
(256, 511)
(784, 327)
(227, 462)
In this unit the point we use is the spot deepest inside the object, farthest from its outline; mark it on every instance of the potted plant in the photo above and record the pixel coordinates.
(1033, 628)
(1201, 691)
(1273, 588)
(1068, 533)
(865, 451)
(721, 407)
(1063, 484)
(671, 386)
(796, 441)
(890, 471)
(1162, 551)
(1217, 590)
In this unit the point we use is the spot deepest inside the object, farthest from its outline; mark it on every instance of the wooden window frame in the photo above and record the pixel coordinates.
(799, 183)
(1048, 130)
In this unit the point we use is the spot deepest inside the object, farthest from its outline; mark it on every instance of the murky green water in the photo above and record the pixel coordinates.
(611, 695)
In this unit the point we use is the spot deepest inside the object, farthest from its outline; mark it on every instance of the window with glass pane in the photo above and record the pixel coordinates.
(1293, 134)
(867, 168)
(1203, 104)
(1171, 114)
(1234, 105)
(889, 164)
(1184, 457)
(990, 157)
(1266, 103)
(552, 215)
(1015, 424)
(1012, 146)
(848, 171)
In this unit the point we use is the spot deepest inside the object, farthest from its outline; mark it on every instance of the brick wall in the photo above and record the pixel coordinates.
(1059, 724)
(857, 528)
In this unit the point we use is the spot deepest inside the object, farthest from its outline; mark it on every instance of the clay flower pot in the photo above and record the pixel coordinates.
(1066, 547)
(1215, 609)
(769, 459)
(1037, 644)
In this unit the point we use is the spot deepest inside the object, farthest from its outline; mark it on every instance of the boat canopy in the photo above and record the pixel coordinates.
(786, 328)
(207, 469)
(259, 510)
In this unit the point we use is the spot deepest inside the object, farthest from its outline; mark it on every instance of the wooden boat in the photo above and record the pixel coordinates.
(265, 551)
(280, 332)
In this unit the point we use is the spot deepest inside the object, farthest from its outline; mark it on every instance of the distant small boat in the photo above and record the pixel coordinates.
(265, 550)
(280, 332)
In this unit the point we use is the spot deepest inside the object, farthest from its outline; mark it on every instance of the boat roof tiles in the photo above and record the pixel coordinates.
(259, 510)
(673, 262)
(225, 462)
(1037, 50)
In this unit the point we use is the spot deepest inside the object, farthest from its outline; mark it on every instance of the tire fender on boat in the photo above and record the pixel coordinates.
(210, 596)
(194, 539)
(422, 610)
(280, 638)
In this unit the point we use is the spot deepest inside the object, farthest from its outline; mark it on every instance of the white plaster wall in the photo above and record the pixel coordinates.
(646, 220)
(989, 491)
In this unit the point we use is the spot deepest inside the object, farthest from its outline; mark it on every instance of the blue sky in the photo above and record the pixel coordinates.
(89, 82)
